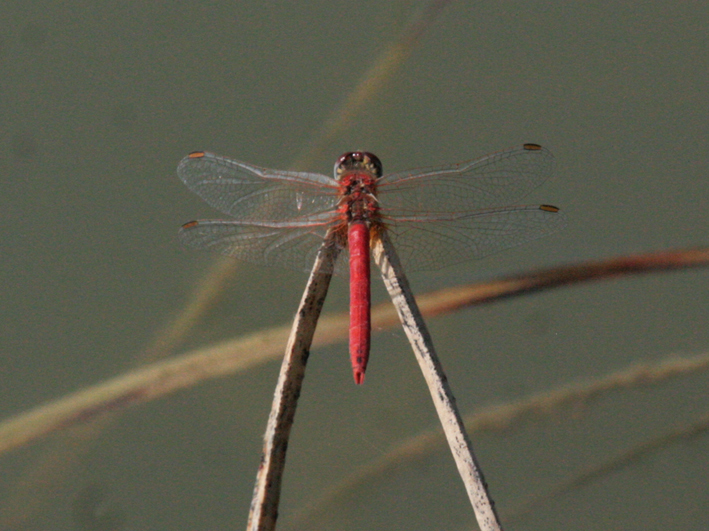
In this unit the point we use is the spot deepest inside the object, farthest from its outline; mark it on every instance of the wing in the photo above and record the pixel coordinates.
(432, 241)
(491, 181)
(292, 245)
(250, 193)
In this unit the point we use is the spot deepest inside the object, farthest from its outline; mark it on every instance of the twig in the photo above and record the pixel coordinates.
(267, 491)
(398, 287)
(445, 300)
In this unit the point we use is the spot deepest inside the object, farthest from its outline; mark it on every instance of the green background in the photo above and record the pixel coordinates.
(98, 103)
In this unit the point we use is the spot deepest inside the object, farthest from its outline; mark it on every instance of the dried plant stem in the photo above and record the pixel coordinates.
(267, 491)
(415, 328)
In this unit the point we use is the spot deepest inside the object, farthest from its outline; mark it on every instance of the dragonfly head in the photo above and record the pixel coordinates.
(358, 160)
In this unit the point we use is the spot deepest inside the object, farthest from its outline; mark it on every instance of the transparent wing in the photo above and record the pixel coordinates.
(250, 193)
(293, 245)
(436, 216)
(495, 180)
(433, 241)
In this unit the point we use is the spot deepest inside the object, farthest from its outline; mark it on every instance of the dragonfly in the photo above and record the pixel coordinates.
(434, 216)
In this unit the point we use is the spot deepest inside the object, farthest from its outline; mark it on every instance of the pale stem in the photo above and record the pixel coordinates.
(267, 491)
(415, 328)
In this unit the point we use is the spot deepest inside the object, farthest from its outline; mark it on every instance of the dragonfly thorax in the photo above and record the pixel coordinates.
(358, 196)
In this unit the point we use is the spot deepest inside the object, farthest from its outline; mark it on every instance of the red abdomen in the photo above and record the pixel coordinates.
(360, 322)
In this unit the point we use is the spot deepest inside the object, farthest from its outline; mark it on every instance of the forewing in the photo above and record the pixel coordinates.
(434, 241)
(495, 180)
(294, 246)
(249, 193)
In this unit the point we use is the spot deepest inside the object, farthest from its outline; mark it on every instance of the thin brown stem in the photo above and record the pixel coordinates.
(444, 301)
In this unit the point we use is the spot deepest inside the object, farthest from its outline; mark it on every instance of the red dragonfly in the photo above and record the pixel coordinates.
(434, 216)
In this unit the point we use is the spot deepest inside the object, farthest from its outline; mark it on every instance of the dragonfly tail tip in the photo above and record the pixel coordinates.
(359, 377)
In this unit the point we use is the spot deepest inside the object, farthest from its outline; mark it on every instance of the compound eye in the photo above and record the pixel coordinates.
(374, 164)
(358, 160)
